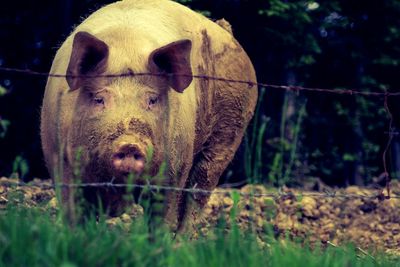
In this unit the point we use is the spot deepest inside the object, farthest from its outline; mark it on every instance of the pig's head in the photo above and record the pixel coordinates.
(120, 123)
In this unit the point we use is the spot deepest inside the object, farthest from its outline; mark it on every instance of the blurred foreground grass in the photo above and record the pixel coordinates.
(31, 237)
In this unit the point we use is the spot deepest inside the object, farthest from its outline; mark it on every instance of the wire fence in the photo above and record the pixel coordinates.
(280, 193)
(330, 193)
(295, 88)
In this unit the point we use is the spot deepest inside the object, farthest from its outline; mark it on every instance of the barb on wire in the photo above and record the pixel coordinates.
(278, 194)
(221, 79)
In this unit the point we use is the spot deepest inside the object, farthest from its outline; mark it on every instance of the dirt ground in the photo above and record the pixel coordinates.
(369, 223)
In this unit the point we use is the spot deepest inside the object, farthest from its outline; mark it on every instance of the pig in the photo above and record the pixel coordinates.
(104, 119)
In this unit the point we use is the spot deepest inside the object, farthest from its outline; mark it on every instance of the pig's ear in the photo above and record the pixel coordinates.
(174, 59)
(89, 57)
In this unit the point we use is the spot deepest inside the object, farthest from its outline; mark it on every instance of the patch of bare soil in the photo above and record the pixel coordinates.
(370, 223)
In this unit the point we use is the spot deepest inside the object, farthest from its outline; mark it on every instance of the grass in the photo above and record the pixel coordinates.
(31, 238)
(279, 171)
(253, 141)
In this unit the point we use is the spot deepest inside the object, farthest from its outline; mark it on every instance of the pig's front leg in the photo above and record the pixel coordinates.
(208, 167)
(68, 203)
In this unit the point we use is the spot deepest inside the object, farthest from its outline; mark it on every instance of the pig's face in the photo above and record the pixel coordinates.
(120, 123)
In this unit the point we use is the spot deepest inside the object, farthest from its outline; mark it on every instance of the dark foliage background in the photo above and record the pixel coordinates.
(326, 44)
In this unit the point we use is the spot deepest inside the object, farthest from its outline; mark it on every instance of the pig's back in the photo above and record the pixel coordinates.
(164, 20)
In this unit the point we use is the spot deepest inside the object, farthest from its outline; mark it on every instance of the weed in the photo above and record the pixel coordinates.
(20, 167)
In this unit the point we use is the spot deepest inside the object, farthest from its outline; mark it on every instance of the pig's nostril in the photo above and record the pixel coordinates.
(137, 156)
(120, 155)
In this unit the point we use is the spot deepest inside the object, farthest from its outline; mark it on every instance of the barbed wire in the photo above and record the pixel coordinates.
(250, 84)
(222, 191)
(295, 88)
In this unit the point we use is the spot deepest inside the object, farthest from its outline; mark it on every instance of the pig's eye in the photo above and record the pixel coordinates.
(152, 101)
(98, 100)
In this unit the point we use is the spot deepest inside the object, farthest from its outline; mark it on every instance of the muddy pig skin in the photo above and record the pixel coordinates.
(103, 129)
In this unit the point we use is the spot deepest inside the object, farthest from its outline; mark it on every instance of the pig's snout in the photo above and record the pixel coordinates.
(128, 159)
